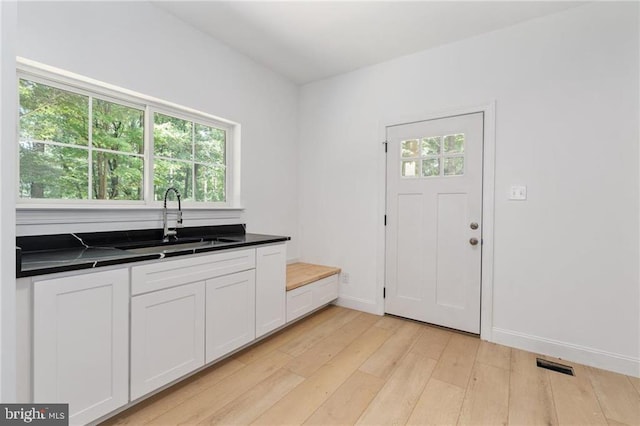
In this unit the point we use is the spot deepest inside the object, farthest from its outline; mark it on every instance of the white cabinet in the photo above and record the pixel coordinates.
(167, 336)
(101, 342)
(174, 300)
(310, 297)
(189, 269)
(271, 277)
(231, 313)
(80, 339)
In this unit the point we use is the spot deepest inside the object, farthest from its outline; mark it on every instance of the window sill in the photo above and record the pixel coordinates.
(43, 219)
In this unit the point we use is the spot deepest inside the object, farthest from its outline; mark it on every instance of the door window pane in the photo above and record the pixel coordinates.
(410, 148)
(431, 146)
(436, 156)
(453, 166)
(454, 144)
(410, 168)
(116, 176)
(431, 167)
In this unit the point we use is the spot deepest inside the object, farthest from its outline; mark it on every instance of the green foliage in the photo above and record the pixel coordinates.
(410, 148)
(172, 137)
(453, 166)
(54, 150)
(209, 144)
(431, 146)
(117, 127)
(454, 143)
(210, 183)
(431, 167)
(51, 171)
(203, 150)
(167, 173)
(50, 114)
(117, 177)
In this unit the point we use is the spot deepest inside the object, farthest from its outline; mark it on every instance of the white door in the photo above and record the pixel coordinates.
(434, 228)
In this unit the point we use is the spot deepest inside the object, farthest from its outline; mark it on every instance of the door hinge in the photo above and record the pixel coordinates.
(386, 144)
(385, 220)
(384, 292)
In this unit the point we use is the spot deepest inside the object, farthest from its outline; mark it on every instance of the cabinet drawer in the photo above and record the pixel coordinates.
(299, 302)
(325, 290)
(171, 273)
(305, 299)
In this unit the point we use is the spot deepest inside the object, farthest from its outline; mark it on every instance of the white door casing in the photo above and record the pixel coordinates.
(434, 194)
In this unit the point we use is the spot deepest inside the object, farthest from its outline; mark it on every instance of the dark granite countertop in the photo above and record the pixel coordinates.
(46, 254)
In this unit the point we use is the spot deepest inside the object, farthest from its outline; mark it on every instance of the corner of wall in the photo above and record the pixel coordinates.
(8, 94)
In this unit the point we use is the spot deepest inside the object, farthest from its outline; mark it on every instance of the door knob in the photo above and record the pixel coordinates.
(473, 225)
(473, 241)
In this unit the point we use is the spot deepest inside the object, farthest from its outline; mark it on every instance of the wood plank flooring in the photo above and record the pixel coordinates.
(343, 367)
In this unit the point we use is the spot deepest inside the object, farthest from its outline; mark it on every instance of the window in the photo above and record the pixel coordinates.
(190, 157)
(81, 145)
(429, 156)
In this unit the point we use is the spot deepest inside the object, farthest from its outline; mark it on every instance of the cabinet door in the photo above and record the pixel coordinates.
(299, 302)
(271, 277)
(167, 336)
(231, 313)
(81, 343)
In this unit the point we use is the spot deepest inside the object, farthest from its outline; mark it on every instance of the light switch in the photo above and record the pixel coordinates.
(518, 192)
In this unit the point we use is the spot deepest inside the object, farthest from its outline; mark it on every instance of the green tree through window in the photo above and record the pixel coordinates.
(190, 157)
(76, 146)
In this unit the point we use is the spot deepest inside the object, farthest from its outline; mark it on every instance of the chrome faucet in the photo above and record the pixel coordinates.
(171, 232)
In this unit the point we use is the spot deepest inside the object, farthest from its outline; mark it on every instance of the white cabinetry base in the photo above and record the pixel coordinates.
(310, 297)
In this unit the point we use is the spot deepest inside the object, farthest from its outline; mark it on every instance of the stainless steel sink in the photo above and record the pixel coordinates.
(171, 248)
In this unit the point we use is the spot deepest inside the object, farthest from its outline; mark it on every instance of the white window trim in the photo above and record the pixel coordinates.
(66, 80)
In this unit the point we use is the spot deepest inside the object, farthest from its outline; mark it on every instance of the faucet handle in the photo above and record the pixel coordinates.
(179, 220)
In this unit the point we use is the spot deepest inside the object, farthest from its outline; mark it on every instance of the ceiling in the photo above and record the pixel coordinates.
(311, 40)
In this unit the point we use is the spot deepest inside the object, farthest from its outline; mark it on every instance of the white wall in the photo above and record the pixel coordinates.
(8, 98)
(139, 47)
(566, 90)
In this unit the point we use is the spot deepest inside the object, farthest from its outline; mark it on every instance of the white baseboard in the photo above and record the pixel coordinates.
(358, 304)
(581, 354)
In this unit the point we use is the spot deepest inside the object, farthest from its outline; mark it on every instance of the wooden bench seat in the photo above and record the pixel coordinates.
(299, 274)
(309, 288)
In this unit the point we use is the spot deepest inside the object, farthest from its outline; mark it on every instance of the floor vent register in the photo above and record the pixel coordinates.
(554, 366)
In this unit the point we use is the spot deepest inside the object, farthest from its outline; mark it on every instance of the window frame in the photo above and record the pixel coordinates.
(64, 80)
(442, 156)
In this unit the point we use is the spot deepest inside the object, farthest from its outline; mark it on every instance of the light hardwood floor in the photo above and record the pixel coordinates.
(342, 367)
